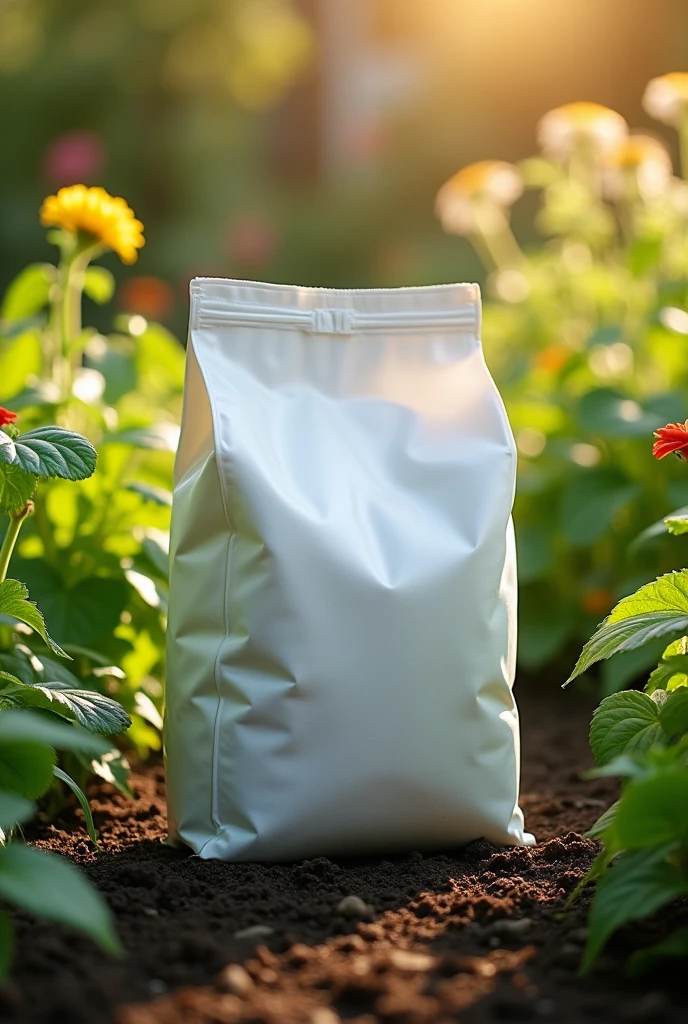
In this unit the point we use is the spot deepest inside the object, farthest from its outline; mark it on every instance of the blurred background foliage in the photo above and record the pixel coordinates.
(304, 141)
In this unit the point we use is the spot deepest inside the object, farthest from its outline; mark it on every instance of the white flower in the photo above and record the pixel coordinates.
(642, 158)
(564, 128)
(488, 183)
(666, 97)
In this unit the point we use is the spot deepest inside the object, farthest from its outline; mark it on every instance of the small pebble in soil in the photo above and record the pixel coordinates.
(149, 911)
(255, 931)
(511, 929)
(354, 907)
(236, 980)
(407, 960)
(156, 987)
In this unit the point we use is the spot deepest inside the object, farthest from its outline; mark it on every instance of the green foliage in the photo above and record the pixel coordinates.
(50, 452)
(13, 602)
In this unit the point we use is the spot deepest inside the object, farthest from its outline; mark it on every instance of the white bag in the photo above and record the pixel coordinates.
(342, 621)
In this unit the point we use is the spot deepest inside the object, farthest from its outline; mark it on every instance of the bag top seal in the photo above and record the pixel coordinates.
(334, 311)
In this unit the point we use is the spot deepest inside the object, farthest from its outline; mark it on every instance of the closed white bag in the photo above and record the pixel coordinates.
(342, 621)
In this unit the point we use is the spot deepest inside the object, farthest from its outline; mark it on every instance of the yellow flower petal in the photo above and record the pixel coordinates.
(94, 211)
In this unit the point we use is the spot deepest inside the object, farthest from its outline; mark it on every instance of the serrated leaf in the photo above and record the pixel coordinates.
(638, 884)
(677, 524)
(16, 487)
(657, 529)
(99, 284)
(624, 723)
(29, 292)
(603, 822)
(94, 711)
(14, 809)
(673, 714)
(26, 766)
(50, 887)
(26, 725)
(669, 669)
(83, 802)
(653, 811)
(13, 601)
(658, 609)
(50, 452)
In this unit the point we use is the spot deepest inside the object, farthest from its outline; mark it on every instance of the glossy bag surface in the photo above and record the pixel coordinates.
(342, 620)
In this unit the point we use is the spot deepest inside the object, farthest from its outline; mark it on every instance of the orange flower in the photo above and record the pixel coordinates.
(553, 358)
(672, 438)
(597, 600)
(6, 416)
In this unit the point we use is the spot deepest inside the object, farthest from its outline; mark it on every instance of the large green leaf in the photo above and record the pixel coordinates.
(84, 614)
(29, 292)
(50, 452)
(94, 711)
(13, 601)
(20, 360)
(624, 723)
(590, 503)
(17, 726)
(14, 809)
(99, 284)
(673, 714)
(635, 886)
(613, 414)
(658, 609)
(26, 766)
(603, 822)
(672, 671)
(16, 487)
(654, 811)
(50, 887)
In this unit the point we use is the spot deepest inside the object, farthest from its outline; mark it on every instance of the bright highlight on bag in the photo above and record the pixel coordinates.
(342, 620)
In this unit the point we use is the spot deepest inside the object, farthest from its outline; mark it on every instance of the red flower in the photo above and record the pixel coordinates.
(6, 417)
(672, 438)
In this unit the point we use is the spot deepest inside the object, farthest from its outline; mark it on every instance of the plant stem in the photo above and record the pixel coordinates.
(15, 525)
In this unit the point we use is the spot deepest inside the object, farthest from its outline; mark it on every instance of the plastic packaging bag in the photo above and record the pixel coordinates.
(342, 620)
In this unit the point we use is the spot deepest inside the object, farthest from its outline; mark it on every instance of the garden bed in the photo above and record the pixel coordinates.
(476, 934)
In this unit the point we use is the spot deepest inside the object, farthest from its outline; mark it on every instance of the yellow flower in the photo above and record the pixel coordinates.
(490, 182)
(95, 212)
(666, 97)
(642, 158)
(562, 129)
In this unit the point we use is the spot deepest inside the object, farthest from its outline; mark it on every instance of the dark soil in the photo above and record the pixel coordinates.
(478, 934)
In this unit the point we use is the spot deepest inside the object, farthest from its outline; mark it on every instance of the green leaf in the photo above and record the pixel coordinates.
(99, 284)
(657, 609)
(50, 452)
(26, 766)
(112, 767)
(613, 414)
(6, 946)
(157, 495)
(653, 811)
(624, 669)
(29, 292)
(159, 437)
(624, 723)
(677, 524)
(50, 887)
(84, 614)
(658, 529)
(675, 946)
(14, 809)
(638, 884)
(16, 487)
(94, 711)
(21, 359)
(160, 362)
(671, 673)
(26, 725)
(85, 806)
(603, 822)
(673, 714)
(13, 601)
(590, 503)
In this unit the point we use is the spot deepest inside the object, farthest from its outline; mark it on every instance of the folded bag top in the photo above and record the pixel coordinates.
(342, 620)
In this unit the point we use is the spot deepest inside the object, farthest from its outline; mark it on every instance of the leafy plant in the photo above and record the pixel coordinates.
(36, 881)
(642, 737)
(94, 555)
(585, 331)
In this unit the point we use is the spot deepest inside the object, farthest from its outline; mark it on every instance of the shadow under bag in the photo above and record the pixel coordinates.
(342, 621)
